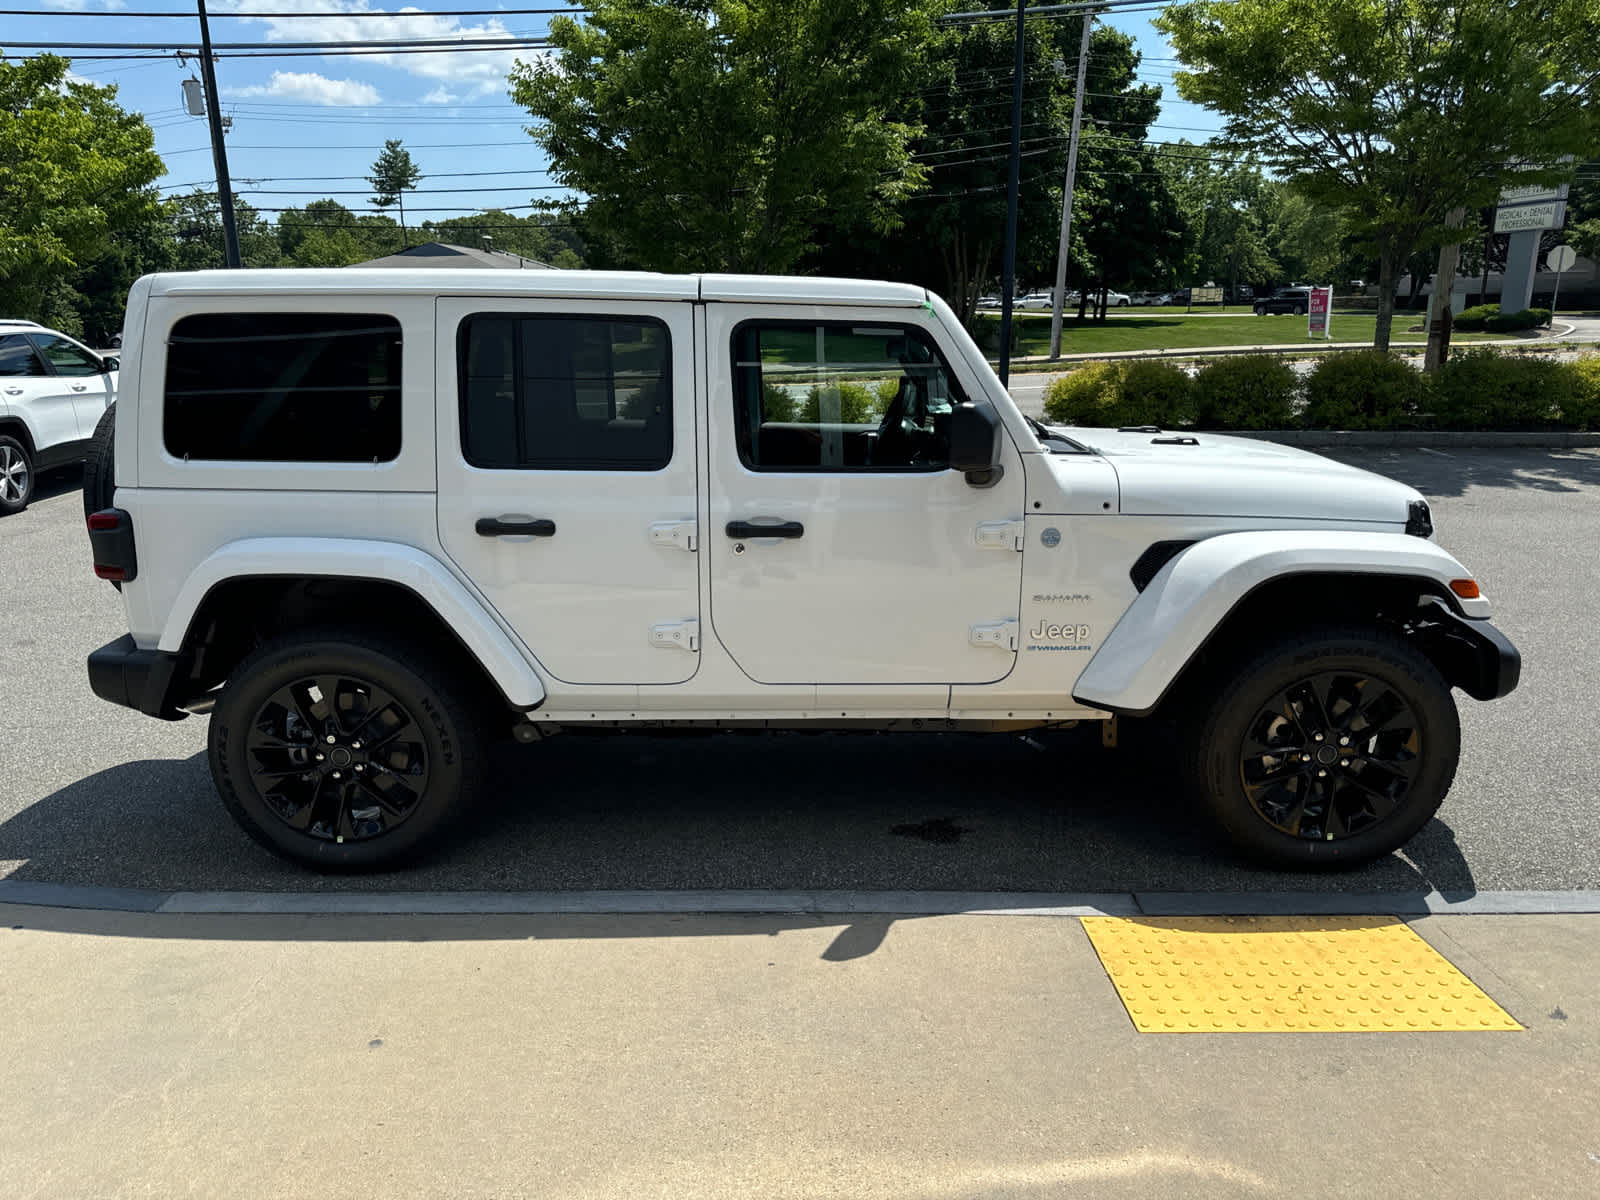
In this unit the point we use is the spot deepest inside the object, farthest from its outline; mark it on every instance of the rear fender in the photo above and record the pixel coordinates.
(349, 558)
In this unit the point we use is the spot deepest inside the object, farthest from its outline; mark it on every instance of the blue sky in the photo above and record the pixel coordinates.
(307, 127)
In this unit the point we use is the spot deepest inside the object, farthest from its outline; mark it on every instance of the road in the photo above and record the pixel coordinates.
(94, 794)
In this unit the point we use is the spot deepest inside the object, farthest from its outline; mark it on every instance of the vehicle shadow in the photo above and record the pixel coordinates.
(58, 481)
(771, 813)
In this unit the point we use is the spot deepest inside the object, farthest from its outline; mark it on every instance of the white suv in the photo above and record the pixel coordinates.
(370, 520)
(53, 392)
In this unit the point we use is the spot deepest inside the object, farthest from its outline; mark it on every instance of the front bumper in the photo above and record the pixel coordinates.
(1474, 655)
(140, 679)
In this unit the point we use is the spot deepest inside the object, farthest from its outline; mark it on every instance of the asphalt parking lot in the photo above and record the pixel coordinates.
(93, 794)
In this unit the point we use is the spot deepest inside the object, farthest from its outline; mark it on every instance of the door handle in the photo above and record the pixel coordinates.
(502, 527)
(79, 387)
(748, 529)
(13, 391)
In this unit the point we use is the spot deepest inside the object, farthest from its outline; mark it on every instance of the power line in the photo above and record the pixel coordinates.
(432, 43)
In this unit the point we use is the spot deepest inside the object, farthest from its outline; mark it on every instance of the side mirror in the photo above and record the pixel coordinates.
(109, 363)
(975, 443)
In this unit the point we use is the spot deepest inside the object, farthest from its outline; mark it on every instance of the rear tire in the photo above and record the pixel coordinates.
(344, 751)
(99, 464)
(1331, 748)
(16, 476)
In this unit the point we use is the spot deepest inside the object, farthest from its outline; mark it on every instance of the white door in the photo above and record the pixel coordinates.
(31, 392)
(79, 379)
(843, 549)
(567, 478)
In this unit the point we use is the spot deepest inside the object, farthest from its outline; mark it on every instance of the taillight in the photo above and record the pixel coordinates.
(111, 539)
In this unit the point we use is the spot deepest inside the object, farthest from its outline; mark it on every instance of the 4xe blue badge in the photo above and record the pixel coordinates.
(1050, 536)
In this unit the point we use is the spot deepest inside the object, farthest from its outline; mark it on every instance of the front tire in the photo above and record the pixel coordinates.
(343, 751)
(1329, 749)
(16, 476)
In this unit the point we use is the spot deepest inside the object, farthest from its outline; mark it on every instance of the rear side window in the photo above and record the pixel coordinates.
(17, 357)
(565, 393)
(284, 387)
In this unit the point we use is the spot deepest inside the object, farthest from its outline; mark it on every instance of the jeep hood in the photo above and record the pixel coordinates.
(1207, 474)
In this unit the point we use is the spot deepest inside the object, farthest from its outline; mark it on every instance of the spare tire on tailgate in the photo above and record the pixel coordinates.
(99, 478)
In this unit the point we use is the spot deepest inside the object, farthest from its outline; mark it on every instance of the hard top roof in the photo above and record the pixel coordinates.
(607, 285)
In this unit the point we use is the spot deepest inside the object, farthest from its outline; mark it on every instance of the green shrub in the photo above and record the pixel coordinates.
(1485, 389)
(1472, 320)
(777, 403)
(1091, 395)
(1528, 318)
(1582, 406)
(1156, 393)
(1364, 389)
(1248, 391)
(858, 404)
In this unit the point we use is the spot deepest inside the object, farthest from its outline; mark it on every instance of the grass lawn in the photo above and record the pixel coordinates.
(1177, 332)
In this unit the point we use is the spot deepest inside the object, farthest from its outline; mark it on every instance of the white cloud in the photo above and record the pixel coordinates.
(307, 87)
(440, 95)
(468, 73)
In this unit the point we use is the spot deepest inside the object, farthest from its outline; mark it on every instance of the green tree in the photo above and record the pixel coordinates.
(1394, 112)
(547, 234)
(393, 175)
(327, 234)
(75, 171)
(197, 229)
(1127, 226)
(1229, 205)
(720, 134)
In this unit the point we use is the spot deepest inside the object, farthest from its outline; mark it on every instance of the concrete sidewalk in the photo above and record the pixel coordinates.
(153, 1054)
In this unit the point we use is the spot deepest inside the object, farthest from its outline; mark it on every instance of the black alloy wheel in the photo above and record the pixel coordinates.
(1330, 747)
(337, 758)
(1331, 755)
(344, 750)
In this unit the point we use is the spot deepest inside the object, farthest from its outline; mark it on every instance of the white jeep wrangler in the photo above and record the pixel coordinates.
(370, 520)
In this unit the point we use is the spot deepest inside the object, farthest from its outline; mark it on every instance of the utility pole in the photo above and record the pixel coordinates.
(219, 153)
(1078, 99)
(1008, 282)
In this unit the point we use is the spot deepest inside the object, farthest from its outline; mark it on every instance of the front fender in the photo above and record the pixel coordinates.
(1193, 594)
(349, 558)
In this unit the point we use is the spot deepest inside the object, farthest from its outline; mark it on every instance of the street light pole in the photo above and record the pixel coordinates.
(219, 153)
(1078, 98)
(1008, 283)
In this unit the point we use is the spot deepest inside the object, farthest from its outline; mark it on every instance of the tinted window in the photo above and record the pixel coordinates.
(66, 358)
(17, 357)
(838, 397)
(284, 387)
(565, 393)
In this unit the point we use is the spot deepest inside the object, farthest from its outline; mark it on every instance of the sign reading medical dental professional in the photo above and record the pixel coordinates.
(1531, 206)
(1319, 313)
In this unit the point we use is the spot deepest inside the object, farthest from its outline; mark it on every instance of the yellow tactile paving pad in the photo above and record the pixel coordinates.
(1286, 975)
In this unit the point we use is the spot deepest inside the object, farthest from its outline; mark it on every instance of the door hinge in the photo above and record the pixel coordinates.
(684, 535)
(676, 635)
(1000, 535)
(995, 633)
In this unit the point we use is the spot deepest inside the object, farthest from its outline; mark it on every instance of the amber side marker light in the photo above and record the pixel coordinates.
(1467, 589)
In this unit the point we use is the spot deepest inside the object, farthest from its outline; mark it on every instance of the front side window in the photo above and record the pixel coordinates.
(840, 397)
(565, 393)
(17, 357)
(66, 358)
(284, 387)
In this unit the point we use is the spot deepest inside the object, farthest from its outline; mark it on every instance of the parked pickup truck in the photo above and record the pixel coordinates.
(371, 520)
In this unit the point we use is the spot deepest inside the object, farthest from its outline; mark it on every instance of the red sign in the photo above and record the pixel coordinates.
(1319, 313)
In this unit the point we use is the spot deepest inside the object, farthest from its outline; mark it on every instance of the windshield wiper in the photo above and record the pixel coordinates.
(1054, 440)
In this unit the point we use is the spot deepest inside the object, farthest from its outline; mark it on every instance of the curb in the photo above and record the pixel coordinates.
(16, 893)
